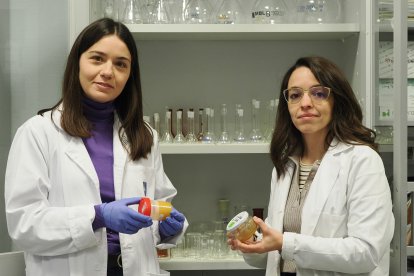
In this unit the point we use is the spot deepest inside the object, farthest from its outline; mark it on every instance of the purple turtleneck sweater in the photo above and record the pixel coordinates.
(100, 149)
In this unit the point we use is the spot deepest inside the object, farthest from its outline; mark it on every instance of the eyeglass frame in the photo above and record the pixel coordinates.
(306, 91)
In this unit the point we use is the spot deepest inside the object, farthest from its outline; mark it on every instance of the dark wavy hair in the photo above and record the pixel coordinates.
(346, 124)
(128, 104)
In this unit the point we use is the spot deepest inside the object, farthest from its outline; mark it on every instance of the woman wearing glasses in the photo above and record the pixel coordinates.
(330, 209)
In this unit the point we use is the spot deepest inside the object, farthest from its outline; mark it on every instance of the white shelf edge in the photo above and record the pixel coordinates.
(204, 264)
(201, 148)
(243, 31)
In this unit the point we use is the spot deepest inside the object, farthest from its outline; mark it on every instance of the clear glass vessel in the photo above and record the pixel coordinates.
(168, 136)
(200, 133)
(157, 124)
(269, 12)
(271, 119)
(229, 12)
(239, 135)
(209, 136)
(197, 12)
(131, 12)
(179, 136)
(190, 137)
(256, 133)
(224, 134)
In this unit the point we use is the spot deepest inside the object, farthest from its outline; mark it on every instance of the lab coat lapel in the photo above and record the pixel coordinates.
(77, 152)
(321, 187)
(120, 158)
(281, 195)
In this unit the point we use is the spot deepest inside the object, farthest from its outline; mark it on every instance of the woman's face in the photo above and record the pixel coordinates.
(310, 117)
(104, 69)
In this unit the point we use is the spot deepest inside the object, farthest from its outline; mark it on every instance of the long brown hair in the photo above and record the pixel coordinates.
(128, 104)
(346, 124)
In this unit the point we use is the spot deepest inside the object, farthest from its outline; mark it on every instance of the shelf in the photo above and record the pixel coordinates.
(214, 148)
(204, 264)
(243, 31)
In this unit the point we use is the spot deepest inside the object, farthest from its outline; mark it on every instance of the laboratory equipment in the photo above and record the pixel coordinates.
(209, 136)
(197, 12)
(269, 12)
(168, 136)
(179, 136)
(224, 134)
(229, 12)
(200, 133)
(190, 137)
(256, 133)
(239, 135)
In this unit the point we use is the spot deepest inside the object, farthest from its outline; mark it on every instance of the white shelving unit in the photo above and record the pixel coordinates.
(204, 264)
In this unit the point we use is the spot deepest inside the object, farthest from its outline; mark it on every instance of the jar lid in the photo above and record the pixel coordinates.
(237, 221)
(144, 206)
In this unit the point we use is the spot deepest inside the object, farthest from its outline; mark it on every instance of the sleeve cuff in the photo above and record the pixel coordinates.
(99, 221)
(288, 247)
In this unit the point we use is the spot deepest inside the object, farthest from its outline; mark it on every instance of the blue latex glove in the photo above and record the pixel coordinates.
(172, 225)
(120, 218)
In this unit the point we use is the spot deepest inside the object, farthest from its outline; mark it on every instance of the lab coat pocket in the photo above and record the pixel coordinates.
(138, 181)
(331, 226)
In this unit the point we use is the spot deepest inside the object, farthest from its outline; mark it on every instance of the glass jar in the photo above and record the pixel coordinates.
(242, 227)
(157, 210)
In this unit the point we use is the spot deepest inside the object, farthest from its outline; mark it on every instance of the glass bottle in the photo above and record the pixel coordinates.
(256, 133)
(224, 134)
(239, 135)
(200, 133)
(209, 135)
(197, 12)
(229, 12)
(269, 12)
(131, 12)
(168, 136)
(191, 137)
(110, 9)
(179, 136)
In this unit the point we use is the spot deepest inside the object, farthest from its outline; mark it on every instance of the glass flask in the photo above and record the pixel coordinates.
(197, 12)
(224, 134)
(179, 136)
(318, 11)
(157, 124)
(271, 116)
(256, 133)
(150, 10)
(175, 10)
(160, 14)
(239, 135)
(209, 135)
(110, 9)
(242, 227)
(191, 137)
(168, 137)
(269, 12)
(200, 133)
(131, 12)
(229, 12)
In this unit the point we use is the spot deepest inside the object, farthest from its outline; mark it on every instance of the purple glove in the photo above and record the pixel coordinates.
(120, 218)
(172, 225)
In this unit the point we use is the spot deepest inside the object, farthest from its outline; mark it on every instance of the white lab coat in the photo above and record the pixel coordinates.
(347, 220)
(51, 188)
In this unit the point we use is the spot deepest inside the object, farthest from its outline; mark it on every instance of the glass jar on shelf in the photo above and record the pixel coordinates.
(270, 12)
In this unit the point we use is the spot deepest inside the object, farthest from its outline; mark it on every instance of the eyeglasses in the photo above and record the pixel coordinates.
(317, 94)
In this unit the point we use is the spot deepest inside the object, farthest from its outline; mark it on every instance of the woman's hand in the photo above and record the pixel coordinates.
(272, 240)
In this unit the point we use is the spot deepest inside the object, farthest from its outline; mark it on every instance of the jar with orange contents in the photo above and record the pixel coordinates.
(242, 227)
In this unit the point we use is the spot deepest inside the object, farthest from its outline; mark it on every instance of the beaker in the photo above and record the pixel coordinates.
(197, 12)
(229, 12)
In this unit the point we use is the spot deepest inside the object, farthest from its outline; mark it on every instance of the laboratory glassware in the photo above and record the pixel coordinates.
(168, 136)
(175, 10)
(224, 134)
(110, 9)
(209, 136)
(256, 133)
(239, 135)
(190, 137)
(197, 12)
(131, 12)
(269, 12)
(200, 133)
(271, 119)
(179, 136)
(229, 12)
(318, 11)
(160, 14)
(157, 124)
